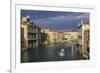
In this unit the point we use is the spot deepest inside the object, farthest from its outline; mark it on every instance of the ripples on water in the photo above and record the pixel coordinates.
(49, 53)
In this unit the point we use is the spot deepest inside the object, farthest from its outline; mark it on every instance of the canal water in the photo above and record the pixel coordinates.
(50, 52)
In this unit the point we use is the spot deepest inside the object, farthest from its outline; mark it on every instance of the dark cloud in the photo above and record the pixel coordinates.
(57, 20)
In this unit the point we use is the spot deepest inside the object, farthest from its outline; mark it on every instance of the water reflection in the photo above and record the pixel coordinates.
(24, 57)
(50, 52)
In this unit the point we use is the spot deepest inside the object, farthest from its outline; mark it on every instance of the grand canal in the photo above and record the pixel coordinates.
(50, 52)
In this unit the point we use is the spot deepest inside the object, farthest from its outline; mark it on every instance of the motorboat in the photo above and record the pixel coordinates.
(61, 53)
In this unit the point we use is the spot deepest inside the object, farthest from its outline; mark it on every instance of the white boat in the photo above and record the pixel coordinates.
(61, 53)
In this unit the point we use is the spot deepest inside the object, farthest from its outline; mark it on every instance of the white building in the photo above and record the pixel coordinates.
(70, 36)
(83, 40)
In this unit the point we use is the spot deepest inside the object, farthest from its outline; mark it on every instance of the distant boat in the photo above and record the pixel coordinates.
(61, 53)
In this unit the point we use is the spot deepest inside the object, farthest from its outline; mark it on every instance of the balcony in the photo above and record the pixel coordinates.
(32, 31)
(32, 38)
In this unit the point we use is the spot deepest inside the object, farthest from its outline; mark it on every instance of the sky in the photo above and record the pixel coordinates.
(59, 21)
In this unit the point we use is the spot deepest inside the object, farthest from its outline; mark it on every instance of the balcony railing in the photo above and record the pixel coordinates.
(32, 31)
(32, 38)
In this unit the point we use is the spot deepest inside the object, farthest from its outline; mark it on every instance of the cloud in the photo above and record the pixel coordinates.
(63, 21)
(56, 20)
